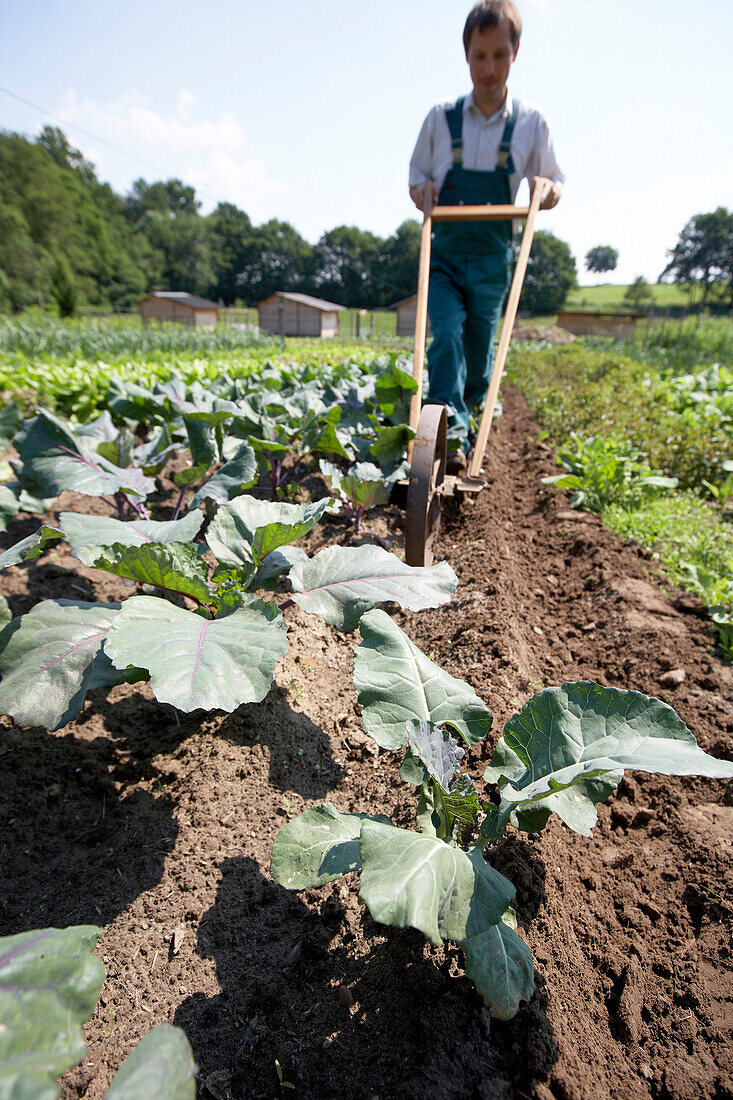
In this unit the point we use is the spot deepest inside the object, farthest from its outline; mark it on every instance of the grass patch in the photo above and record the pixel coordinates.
(680, 530)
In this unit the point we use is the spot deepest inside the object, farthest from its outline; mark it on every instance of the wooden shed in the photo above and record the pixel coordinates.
(406, 310)
(582, 323)
(289, 314)
(178, 305)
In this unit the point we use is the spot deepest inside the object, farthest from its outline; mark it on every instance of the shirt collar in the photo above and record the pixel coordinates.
(503, 111)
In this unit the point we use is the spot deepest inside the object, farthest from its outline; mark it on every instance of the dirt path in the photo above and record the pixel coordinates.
(161, 834)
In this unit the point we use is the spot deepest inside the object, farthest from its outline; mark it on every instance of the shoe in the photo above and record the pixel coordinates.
(456, 463)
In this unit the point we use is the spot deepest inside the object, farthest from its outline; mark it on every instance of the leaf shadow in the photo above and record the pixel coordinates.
(346, 1006)
(79, 843)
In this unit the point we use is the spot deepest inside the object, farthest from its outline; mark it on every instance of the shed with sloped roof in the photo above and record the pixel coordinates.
(406, 311)
(287, 313)
(180, 306)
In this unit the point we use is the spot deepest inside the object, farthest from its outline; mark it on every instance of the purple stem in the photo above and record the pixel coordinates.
(179, 503)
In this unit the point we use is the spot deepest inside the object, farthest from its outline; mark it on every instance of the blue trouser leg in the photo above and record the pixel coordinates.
(485, 291)
(464, 305)
(446, 359)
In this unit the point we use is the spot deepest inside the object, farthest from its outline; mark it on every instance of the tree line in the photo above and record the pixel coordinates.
(68, 239)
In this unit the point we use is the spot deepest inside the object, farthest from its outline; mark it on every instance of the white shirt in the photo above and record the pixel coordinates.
(531, 149)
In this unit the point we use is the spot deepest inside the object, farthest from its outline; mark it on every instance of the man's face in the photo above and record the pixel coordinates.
(490, 55)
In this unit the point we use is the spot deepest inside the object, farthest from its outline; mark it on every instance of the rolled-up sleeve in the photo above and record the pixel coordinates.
(542, 160)
(421, 161)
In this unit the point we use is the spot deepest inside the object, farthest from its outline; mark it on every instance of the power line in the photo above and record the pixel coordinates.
(89, 134)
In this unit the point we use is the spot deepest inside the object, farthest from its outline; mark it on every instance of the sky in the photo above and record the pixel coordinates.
(308, 110)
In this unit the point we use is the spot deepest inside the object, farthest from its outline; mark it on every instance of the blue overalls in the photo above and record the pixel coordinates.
(469, 277)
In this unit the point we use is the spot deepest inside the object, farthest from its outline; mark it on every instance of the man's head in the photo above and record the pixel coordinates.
(490, 13)
(491, 40)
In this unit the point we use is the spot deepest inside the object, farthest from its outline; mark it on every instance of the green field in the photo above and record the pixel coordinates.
(609, 296)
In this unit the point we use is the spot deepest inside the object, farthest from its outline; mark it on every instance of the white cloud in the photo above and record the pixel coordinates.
(243, 182)
(186, 101)
(208, 154)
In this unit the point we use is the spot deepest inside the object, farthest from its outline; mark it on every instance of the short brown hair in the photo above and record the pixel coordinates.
(490, 13)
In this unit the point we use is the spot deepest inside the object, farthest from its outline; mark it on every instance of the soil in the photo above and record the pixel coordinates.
(159, 828)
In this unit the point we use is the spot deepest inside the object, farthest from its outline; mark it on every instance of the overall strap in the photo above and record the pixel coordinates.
(504, 162)
(454, 117)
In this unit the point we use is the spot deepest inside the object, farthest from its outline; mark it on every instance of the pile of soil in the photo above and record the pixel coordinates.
(159, 828)
(528, 332)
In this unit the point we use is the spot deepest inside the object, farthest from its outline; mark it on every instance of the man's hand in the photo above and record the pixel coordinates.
(552, 191)
(417, 193)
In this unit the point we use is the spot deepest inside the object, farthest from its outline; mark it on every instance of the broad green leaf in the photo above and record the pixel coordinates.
(365, 486)
(9, 505)
(437, 750)
(54, 460)
(30, 547)
(276, 563)
(391, 444)
(85, 533)
(102, 429)
(583, 734)
(160, 1066)
(416, 880)
(49, 985)
(11, 418)
(193, 662)
(500, 965)
(236, 475)
(393, 392)
(152, 456)
(332, 473)
(189, 476)
(248, 529)
(317, 847)
(396, 683)
(51, 657)
(201, 442)
(119, 450)
(5, 613)
(341, 583)
(173, 568)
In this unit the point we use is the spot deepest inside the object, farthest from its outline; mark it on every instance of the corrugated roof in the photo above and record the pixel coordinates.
(185, 299)
(306, 300)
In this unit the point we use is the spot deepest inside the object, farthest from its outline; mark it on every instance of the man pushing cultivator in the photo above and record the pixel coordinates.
(472, 151)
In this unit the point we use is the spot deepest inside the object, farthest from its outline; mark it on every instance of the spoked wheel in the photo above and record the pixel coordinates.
(422, 520)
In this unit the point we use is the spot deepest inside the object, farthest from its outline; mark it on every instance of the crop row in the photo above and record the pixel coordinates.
(214, 579)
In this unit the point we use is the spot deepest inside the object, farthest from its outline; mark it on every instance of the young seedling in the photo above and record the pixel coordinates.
(564, 752)
(221, 647)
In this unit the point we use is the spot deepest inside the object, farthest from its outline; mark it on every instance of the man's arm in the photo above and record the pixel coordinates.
(552, 189)
(417, 193)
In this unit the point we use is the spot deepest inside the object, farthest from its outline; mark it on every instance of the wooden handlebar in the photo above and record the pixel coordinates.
(488, 213)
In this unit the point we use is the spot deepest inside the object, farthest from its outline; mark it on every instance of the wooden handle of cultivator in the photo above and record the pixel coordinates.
(421, 309)
(495, 212)
(506, 329)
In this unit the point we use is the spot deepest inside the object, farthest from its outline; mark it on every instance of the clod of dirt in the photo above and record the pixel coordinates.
(673, 678)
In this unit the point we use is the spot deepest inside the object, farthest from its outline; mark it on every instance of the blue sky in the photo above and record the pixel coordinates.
(308, 110)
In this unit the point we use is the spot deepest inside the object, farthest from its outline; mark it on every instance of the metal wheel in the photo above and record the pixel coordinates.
(422, 519)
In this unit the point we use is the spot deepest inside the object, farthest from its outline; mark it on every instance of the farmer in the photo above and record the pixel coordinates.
(477, 150)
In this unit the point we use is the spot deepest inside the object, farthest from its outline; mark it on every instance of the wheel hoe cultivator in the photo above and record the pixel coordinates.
(428, 482)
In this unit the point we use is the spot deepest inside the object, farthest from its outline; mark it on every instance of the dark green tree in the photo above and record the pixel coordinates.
(551, 273)
(230, 239)
(63, 289)
(638, 295)
(601, 258)
(344, 262)
(172, 236)
(396, 273)
(276, 258)
(703, 255)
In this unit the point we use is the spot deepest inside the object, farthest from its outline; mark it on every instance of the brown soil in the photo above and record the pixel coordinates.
(161, 833)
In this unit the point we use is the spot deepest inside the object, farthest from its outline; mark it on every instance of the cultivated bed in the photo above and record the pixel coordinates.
(161, 833)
